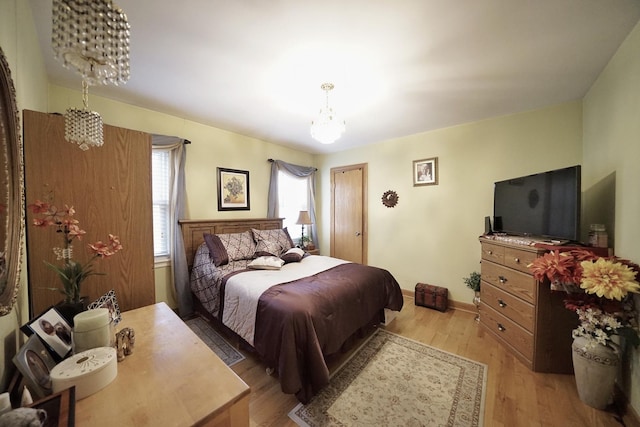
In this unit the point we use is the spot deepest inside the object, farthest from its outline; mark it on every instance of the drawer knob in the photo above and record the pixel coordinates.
(490, 252)
(501, 328)
(517, 260)
(502, 279)
(502, 303)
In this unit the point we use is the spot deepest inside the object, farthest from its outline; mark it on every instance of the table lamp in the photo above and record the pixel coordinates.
(303, 218)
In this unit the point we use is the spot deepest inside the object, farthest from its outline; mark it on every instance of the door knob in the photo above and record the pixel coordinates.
(357, 233)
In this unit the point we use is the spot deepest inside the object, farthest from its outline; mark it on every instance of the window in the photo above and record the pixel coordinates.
(293, 194)
(161, 181)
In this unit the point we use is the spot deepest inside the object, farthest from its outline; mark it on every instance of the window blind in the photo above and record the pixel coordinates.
(161, 181)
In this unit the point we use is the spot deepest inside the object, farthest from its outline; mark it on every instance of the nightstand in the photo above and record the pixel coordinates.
(313, 251)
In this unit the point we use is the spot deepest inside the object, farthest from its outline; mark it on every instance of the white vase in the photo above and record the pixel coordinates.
(595, 369)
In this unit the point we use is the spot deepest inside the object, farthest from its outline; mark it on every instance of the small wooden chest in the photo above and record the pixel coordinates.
(432, 296)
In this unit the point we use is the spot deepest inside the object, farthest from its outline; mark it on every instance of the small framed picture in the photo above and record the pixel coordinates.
(425, 172)
(233, 190)
(35, 362)
(54, 331)
(110, 302)
(60, 408)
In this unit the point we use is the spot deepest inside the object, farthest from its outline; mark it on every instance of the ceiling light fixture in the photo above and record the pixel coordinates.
(83, 127)
(327, 128)
(92, 38)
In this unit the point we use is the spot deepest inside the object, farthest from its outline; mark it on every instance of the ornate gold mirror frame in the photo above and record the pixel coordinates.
(11, 191)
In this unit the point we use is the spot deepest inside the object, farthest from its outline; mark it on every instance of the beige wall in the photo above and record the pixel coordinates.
(431, 236)
(611, 174)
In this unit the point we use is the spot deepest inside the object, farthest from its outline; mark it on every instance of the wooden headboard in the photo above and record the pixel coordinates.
(193, 230)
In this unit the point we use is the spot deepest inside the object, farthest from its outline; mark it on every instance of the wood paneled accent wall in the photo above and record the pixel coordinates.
(110, 189)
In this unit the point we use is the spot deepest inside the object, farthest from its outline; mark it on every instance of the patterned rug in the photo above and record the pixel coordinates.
(395, 381)
(214, 340)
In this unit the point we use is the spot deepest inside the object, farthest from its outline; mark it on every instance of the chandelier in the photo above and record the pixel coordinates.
(83, 127)
(327, 128)
(92, 38)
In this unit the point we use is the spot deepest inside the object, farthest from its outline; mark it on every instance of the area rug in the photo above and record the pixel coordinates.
(395, 381)
(215, 341)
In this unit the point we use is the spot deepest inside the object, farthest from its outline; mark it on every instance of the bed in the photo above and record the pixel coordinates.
(293, 314)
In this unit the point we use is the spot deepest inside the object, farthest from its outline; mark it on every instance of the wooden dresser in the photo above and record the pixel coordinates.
(523, 314)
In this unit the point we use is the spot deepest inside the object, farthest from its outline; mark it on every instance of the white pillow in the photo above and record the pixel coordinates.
(292, 255)
(266, 263)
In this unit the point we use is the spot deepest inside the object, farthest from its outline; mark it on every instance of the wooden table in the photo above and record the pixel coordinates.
(171, 379)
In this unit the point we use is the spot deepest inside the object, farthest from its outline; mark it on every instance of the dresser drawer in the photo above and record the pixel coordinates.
(514, 335)
(506, 304)
(493, 253)
(519, 259)
(514, 282)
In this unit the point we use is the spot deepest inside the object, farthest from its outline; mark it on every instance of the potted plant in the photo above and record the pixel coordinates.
(599, 290)
(307, 243)
(473, 282)
(71, 273)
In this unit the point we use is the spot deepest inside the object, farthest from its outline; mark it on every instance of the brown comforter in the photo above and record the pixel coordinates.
(300, 322)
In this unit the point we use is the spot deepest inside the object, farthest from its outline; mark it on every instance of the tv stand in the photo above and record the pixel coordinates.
(523, 314)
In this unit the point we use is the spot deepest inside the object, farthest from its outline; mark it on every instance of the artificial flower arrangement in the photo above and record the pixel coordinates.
(71, 273)
(599, 290)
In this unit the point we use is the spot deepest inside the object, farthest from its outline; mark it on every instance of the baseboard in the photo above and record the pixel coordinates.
(454, 305)
(628, 416)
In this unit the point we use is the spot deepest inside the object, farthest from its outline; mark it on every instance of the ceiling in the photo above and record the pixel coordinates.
(399, 67)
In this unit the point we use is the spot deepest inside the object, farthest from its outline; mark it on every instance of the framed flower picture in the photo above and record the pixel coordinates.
(425, 172)
(233, 190)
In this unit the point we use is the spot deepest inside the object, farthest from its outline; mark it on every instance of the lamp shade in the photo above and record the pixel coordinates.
(304, 218)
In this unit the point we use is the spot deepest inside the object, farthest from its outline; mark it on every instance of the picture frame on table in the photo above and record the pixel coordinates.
(53, 329)
(233, 189)
(425, 172)
(60, 408)
(110, 302)
(34, 362)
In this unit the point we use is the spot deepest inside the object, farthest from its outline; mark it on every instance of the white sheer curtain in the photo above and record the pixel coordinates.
(295, 170)
(178, 191)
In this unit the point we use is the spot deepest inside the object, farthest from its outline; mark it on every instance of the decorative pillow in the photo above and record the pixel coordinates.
(217, 251)
(236, 245)
(272, 242)
(293, 255)
(266, 263)
(268, 248)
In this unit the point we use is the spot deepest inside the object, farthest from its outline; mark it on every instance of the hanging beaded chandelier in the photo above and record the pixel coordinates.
(92, 38)
(327, 128)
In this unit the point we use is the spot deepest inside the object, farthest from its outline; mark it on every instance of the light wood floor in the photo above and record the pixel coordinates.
(515, 396)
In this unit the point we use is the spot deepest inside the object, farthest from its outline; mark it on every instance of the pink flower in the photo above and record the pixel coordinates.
(71, 273)
(104, 250)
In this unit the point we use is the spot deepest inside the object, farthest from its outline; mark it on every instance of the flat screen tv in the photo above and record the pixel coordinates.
(545, 205)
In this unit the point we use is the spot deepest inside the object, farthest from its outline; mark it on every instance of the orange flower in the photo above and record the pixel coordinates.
(608, 279)
(555, 265)
(563, 267)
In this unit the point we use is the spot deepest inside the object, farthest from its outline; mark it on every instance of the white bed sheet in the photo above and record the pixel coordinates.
(243, 290)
